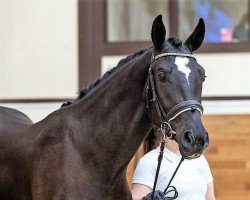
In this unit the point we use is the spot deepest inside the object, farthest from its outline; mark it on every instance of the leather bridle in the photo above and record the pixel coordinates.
(166, 118)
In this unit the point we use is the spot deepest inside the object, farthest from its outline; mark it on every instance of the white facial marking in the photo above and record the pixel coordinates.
(181, 63)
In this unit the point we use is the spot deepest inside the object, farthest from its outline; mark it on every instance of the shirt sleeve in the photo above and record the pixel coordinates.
(207, 172)
(145, 172)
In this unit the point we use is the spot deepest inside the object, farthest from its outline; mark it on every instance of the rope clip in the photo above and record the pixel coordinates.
(166, 130)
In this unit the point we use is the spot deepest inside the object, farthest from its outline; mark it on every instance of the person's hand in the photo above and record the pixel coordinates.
(158, 195)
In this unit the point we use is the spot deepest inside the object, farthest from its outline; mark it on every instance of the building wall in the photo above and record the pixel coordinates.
(38, 54)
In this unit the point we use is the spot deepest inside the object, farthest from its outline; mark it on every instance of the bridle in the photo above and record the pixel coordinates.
(166, 118)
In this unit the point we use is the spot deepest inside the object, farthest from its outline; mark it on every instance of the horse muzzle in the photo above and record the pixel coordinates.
(192, 145)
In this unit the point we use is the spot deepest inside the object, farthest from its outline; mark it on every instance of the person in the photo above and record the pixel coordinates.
(193, 179)
(241, 31)
(216, 18)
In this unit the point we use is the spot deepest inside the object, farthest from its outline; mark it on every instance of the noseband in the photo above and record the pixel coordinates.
(166, 118)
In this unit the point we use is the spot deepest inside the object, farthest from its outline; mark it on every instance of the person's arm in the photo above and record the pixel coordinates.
(209, 180)
(139, 191)
(210, 191)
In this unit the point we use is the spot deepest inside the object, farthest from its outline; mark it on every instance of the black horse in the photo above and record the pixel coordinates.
(82, 150)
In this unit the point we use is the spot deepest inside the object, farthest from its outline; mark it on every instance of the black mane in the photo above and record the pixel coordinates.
(120, 63)
(173, 41)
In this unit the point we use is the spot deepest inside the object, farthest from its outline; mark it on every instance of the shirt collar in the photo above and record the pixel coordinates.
(170, 155)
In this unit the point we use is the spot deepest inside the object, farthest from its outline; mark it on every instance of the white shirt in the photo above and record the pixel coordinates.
(190, 180)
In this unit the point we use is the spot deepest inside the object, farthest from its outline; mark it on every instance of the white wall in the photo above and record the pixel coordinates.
(227, 73)
(38, 111)
(35, 111)
(38, 49)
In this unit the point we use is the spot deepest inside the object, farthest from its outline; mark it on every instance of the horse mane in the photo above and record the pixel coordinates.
(173, 41)
(121, 63)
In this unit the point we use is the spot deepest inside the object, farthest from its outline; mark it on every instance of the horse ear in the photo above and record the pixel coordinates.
(158, 32)
(195, 40)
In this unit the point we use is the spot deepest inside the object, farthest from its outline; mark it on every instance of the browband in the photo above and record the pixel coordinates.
(172, 54)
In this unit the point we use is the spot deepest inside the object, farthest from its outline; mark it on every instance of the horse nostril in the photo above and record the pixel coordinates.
(189, 137)
(206, 139)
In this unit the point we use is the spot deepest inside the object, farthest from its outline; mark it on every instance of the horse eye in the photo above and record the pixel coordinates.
(162, 76)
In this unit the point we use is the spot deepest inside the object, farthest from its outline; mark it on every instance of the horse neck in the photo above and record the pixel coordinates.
(115, 115)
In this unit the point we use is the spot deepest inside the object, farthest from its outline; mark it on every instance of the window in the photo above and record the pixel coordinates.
(227, 21)
(137, 16)
(100, 38)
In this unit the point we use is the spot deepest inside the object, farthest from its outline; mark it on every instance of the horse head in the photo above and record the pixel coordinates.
(175, 87)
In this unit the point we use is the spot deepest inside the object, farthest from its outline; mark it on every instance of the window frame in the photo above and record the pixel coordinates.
(94, 13)
(223, 47)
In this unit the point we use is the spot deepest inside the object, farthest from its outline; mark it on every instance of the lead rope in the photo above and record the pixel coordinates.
(173, 188)
(159, 164)
(163, 128)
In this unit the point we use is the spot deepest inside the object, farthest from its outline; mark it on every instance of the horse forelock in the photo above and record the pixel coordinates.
(121, 63)
(175, 42)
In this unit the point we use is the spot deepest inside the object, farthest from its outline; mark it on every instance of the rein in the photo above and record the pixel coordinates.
(166, 118)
